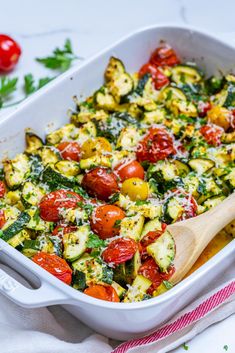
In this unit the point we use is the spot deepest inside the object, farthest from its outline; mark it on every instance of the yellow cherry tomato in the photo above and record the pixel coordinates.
(219, 116)
(135, 188)
(91, 147)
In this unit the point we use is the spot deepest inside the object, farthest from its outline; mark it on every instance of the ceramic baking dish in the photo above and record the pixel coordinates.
(46, 111)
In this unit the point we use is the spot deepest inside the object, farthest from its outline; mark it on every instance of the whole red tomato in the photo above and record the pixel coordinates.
(106, 220)
(53, 203)
(120, 250)
(9, 53)
(158, 76)
(2, 218)
(2, 189)
(103, 292)
(157, 145)
(100, 182)
(70, 151)
(212, 134)
(127, 170)
(54, 264)
(164, 56)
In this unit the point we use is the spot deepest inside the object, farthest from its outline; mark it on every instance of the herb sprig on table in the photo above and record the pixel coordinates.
(60, 60)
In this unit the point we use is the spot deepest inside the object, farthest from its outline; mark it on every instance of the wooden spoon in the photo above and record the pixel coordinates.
(192, 236)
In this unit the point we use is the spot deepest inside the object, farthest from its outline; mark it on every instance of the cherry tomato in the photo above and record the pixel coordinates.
(150, 270)
(2, 218)
(158, 76)
(135, 188)
(54, 264)
(188, 204)
(2, 189)
(164, 56)
(103, 292)
(106, 220)
(120, 250)
(203, 108)
(9, 53)
(212, 134)
(51, 204)
(100, 182)
(157, 145)
(62, 229)
(129, 170)
(150, 237)
(70, 151)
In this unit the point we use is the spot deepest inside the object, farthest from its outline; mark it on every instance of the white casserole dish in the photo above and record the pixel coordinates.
(47, 110)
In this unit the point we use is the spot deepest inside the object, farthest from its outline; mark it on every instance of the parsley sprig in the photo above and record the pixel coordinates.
(30, 86)
(7, 87)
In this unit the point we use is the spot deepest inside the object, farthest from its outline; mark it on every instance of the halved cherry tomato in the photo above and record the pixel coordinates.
(100, 182)
(62, 229)
(149, 238)
(54, 264)
(127, 170)
(2, 218)
(2, 189)
(103, 292)
(188, 203)
(120, 250)
(212, 134)
(158, 76)
(203, 108)
(164, 56)
(70, 151)
(53, 203)
(157, 145)
(106, 220)
(9, 53)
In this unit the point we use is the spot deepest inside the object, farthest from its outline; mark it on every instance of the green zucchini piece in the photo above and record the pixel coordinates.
(36, 222)
(33, 142)
(214, 201)
(132, 267)
(182, 168)
(230, 98)
(163, 251)
(142, 84)
(114, 69)
(162, 171)
(31, 194)
(170, 93)
(68, 168)
(16, 170)
(36, 167)
(121, 86)
(19, 238)
(48, 244)
(185, 74)
(55, 179)
(96, 161)
(79, 280)
(131, 227)
(151, 226)
(230, 178)
(201, 165)
(69, 131)
(119, 274)
(138, 289)
(119, 289)
(16, 227)
(104, 100)
(173, 209)
(49, 155)
(75, 243)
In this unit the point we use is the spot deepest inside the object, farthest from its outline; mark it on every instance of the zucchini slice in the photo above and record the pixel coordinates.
(163, 251)
(162, 170)
(119, 289)
(16, 170)
(214, 201)
(75, 243)
(33, 142)
(55, 179)
(185, 74)
(201, 165)
(114, 69)
(36, 223)
(173, 209)
(121, 86)
(138, 289)
(49, 155)
(68, 168)
(19, 238)
(79, 280)
(31, 194)
(151, 226)
(104, 100)
(182, 168)
(16, 227)
(131, 227)
(69, 131)
(171, 93)
(132, 267)
(95, 161)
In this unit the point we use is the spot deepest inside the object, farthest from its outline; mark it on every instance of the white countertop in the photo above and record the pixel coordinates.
(40, 26)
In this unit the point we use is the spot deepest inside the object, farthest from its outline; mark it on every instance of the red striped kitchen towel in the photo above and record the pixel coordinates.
(187, 323)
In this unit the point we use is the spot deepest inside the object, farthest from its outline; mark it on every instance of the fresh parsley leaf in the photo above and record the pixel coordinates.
(185, 347)
(117, 223)
(61, 59)
(94, 241)
(30, 86)
(167, 284)
(225, 347)
(7, 87)
(141, 202)
(114, 198)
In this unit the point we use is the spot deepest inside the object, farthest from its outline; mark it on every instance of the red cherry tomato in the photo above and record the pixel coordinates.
(106, 220)
(188, 203)
(2, 218)
(70, 151)
(129, 170)
(150, 270)
(100, 182)
(2, 189)
(203, 108)
(158, 76)
(157, 145)
(9, 53)
(103, 292)
(54, 264)
(62, 229)
(53, 203)
(212, 134)
(150, 237)
(120, 250)
(164, 56)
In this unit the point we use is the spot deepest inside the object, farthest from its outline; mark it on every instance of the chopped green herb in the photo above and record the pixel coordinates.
(225, 347)
(185, 347)
(168, 284)
(7, 87)
(94, 241)
(117, 223)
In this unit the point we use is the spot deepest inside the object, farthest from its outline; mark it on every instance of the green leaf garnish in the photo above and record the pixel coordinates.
(94, 241)
(7, 87)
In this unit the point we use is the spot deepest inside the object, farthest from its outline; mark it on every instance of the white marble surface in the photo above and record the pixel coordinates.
(39, 26)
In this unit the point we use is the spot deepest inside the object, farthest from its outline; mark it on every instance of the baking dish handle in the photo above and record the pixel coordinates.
(45, 295)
